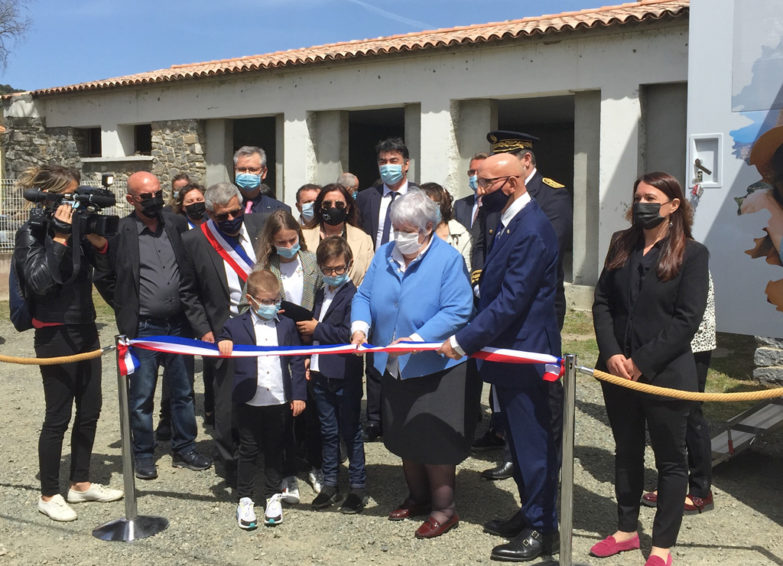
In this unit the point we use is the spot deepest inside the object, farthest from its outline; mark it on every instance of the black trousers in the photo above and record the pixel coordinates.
(697, 437)
(374, 401)
(225, 432)
(260, 429)
(666, 421)
(65, 384)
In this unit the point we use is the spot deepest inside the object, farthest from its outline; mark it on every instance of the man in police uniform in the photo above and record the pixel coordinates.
(554, 200)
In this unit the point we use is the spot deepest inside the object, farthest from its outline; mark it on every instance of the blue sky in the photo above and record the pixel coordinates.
(72, 41)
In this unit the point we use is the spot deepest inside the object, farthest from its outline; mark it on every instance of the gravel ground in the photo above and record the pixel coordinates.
(744, 529)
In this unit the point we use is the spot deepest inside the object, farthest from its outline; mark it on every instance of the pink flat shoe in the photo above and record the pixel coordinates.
(609, 546)
(658, 561)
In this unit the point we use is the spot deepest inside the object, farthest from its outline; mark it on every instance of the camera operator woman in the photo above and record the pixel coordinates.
(58, 291)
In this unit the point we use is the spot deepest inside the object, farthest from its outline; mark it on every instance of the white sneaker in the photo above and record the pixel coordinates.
(246, 515)
(273, 514)
(290, 490)
(56, 509)
(96, 492)
(315, 477)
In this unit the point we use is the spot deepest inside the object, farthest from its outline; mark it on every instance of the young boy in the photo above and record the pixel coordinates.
(267, 391)
(337, 379)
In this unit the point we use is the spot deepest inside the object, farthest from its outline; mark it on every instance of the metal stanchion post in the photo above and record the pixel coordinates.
(567, 470)
(132, 526)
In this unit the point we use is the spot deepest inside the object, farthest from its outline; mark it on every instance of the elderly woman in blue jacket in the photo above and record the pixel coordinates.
(417, 289)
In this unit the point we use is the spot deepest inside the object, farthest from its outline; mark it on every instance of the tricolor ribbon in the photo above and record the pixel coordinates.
(224, 249)
(125, 358)
(554, 366)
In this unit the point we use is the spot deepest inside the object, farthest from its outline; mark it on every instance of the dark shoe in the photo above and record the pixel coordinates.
(528, 545)
(354, 503)
(650, 499)
(409, 508)
(191, 460)
(329, 496)
(508, 528)
(490, 441)
(163, 432)
(209, 419)
(700, 505)
(146, 470)
(502, 471)
(431, 528)
(371, 432)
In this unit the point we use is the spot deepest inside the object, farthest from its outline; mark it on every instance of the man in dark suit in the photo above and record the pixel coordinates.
(516, 310)
(554, 200)
(218, 286)
(249, 173)
(466, 209)
(374, 204)
(148, 295)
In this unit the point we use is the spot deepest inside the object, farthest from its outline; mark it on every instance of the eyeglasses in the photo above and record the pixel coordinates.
(333, 203)
(472, 172)
(254, 170)
(339, 270)
(148, 196)
(266, 301)
(234, 214)
(484, 183)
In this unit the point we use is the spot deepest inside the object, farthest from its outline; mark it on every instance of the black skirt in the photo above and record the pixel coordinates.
(431, 419)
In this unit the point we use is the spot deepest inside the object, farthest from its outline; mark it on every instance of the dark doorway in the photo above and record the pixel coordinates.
(366, 128)
(259, 132)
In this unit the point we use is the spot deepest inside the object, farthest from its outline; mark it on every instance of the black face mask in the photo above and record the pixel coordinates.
(196, 210)
(647, 214)
(152, 206)
(231, 227)
(333, 215)
(495, 201)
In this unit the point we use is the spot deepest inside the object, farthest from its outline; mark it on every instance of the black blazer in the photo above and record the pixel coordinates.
(240, 331)
(369, 204)
(463, 210)
(204, 272)
(657, 329)
(336, 329)
(264, 204)
(119, 284)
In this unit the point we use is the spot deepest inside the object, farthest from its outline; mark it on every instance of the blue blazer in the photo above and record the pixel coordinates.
(432, 298)
(517, 303)
(240, 331)
(335, 328)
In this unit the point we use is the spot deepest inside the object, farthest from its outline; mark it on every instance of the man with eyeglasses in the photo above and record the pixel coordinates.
(221, 254)
(147, 291)
(249, 173)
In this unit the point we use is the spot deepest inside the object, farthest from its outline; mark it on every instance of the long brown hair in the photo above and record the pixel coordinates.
(278, 220)
(351, 216)
(680, 222)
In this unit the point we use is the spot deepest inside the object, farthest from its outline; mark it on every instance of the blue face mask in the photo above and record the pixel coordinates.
(248, 181)
(288, 253)
(308, 210)
(391, 173)
(356, 194)
(267, 312)
(335, 280)
(473, 182)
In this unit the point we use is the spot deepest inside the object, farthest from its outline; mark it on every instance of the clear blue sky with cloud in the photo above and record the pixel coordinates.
(73, 41)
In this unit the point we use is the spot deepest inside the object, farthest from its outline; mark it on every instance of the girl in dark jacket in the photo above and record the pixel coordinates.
(57, 282)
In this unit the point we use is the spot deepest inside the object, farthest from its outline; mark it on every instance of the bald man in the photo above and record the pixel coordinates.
(143, 287)
(516, 310)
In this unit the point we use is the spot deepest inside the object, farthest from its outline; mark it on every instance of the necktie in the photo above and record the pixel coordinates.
(387, 221)
(475, 213)
(498, 232)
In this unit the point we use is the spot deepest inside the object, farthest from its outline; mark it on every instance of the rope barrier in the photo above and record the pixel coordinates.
(684, 395)
(58, 360)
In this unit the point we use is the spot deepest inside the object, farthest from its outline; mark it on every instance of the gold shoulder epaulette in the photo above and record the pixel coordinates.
(552, 183)
(475, 276)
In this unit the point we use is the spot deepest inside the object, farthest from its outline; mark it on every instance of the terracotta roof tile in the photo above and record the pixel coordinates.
(594, 18)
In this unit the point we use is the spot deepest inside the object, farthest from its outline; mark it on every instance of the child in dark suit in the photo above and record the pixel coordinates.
(337, 379)
(267, 391)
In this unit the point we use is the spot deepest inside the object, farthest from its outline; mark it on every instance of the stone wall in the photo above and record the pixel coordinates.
(768, 359)
(28, 142)
(178, 146)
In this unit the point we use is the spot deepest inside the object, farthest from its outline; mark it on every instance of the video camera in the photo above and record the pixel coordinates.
(86, 202)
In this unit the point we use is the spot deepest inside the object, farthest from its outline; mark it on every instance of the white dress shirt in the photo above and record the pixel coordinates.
(234, 282)
(386, 200)
(269, 383)
(328, 298)
(292, 276)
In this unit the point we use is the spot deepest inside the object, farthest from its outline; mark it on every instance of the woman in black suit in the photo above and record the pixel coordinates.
(648, 304)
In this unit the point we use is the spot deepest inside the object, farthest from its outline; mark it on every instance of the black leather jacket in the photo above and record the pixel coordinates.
(45, 268)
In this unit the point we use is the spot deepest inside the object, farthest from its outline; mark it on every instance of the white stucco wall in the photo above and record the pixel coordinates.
(612, 62)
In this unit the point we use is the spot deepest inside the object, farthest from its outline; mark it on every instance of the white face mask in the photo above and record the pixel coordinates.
(407, 242)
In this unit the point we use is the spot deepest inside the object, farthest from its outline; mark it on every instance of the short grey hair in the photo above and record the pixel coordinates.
(248, 150)
(348, 180)
(415, 208)
(220, 194)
